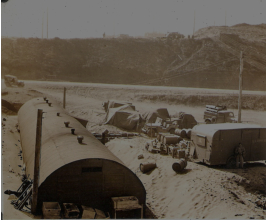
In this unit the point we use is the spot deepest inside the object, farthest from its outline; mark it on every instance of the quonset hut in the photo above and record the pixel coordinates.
(86, 174)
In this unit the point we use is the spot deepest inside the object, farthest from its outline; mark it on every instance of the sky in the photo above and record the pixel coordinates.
(92, 18)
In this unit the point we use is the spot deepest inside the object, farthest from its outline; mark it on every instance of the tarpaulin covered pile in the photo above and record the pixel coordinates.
(114, 104)
(124, 117)
(151, 117)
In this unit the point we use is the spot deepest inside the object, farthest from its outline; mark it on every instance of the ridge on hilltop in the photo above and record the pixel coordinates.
(209, 59)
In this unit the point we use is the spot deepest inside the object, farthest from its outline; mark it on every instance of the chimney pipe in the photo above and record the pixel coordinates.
(73, 131)
(80, 138)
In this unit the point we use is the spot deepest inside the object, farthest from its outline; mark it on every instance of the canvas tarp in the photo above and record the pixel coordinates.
(124, 117)
(188, 121)
(151, 117)
(114, 104)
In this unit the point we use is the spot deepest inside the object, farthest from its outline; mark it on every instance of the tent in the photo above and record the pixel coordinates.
(124, 117)
(151, 116)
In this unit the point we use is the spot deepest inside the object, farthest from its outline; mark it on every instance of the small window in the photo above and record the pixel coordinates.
(201, 140)
(91, 169)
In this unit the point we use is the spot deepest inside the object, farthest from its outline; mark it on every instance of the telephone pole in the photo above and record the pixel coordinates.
(47, 23)
(194, 22)
(240, 88)
(42, 24)
(225, 18)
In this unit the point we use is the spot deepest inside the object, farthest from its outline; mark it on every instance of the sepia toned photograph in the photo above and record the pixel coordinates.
(133, 109)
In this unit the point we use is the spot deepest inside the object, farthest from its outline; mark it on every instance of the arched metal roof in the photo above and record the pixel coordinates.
(59, 146)
(210, 129)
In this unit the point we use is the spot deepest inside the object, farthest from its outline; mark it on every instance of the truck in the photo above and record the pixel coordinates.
(218, 114)
(12, 81)
(214, 144)
(184, 121)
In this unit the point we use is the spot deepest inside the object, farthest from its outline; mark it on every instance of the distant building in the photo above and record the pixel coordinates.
(124, 36)
(174, 35)
(109, 36)
(154, 34)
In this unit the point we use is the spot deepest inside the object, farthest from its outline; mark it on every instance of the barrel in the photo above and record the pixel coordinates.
(181, 133)
(146, 167)
(172, 139)
(184, 131)
(188, 133)
(179, 165)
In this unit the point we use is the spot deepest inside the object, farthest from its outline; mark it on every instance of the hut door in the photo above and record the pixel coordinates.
(68, 189)
(114, 185)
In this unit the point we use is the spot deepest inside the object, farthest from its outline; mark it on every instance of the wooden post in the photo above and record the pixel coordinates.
(141, 214)
(37, 162)
(103, 138)
(151, 129)
(240, 88)
(64, 99)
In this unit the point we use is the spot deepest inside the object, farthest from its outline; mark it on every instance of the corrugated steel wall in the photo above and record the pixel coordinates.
(86, 173)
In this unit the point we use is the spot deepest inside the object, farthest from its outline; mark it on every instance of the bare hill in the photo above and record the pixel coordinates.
(245, 31)
(207, 61)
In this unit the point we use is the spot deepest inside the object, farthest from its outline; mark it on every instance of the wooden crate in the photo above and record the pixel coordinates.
(70, 211)
(100, 214)
(88, 212)
(126, 207)
(51, 210)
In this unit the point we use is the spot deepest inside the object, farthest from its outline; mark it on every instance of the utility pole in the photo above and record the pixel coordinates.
(194, 22)
(225, 18)
(64, 98)
(37, 162)
(42, 25)
(47, 23)
(240, 88)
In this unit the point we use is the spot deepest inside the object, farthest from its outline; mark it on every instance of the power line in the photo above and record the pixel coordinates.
(185, 72)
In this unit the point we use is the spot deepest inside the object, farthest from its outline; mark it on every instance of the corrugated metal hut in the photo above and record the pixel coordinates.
(86, 174)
